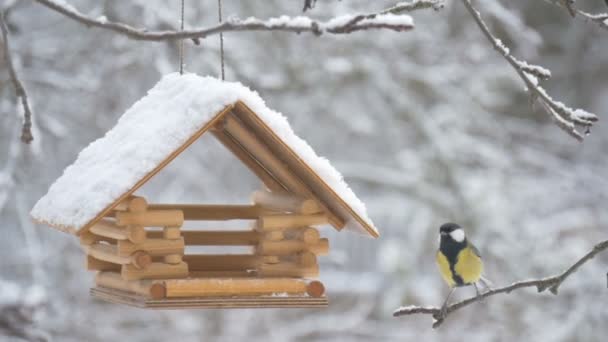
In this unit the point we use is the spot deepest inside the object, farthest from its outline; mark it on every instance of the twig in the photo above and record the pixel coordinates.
(26, 130)
(601, 19)
(552, 283)
(565, 117)
(415, 5)
(286, 24)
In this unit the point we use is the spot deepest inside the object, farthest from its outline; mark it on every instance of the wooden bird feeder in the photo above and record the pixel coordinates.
(137, 247)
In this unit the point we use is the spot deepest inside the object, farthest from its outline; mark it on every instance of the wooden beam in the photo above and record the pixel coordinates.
(222, 274)
(133, 204)
(288, 247)
(156, 270)
(234, 287)
(248, 161)
(93, 264)
(306, 234)
(216, 238)
(151, 218)
(226, 262)
(109, 228)
(109, 253)
(87, 238)
(154, 247)
(275, 147)
(273, 222)
(285, 202)
(214, 212)
(113, 280)
(235, 129)
(288, 269)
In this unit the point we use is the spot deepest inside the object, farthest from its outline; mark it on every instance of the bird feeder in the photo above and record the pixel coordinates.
(137, 247)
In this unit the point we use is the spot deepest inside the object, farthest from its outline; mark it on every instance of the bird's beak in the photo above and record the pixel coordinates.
(443, 233)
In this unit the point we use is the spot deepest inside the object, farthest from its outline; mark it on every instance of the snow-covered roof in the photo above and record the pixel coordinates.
(157, 128)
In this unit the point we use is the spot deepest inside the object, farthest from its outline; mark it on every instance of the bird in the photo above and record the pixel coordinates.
(459, 261)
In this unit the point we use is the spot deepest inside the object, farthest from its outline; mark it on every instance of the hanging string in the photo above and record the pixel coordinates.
(181, 43)
(219, 14)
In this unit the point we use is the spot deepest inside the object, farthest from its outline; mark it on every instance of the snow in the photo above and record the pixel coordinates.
(536, 70)
(381, 19)
(148, 132)
(301, 22)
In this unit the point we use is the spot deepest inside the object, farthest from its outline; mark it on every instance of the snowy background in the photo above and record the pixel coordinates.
(427, 126)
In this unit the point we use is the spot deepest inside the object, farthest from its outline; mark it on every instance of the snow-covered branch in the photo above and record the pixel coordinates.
(601, 19)
(552, 283)
(414, 5)
(26, 130)
(338, 25)
(565, 117)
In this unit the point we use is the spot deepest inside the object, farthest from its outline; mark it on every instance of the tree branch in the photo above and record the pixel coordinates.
(26, 130)
(565, 117)
(552, 283)
(415, 5)
(601, 19)
(338, 25)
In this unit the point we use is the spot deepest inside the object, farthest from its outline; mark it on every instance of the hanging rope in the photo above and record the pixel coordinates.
(181, 43)
(219, 14)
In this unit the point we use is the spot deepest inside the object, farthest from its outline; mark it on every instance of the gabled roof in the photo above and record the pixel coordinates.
(161, 125)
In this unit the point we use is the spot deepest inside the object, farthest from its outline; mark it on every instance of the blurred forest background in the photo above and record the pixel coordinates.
(427, 126)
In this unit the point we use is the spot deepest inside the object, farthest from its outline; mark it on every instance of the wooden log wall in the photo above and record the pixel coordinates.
(119, 247)
(151, 262)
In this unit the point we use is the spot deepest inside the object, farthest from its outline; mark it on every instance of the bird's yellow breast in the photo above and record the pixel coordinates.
(468, 266)
(444, 269)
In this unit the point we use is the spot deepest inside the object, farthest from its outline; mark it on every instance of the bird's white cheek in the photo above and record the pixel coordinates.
(457, 235)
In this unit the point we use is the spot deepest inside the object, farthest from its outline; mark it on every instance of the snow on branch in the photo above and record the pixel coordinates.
(551, 283)
(26, 130)
(565, 117)
(415, 5)
(601, 19)
(398, 8)
(339, 25)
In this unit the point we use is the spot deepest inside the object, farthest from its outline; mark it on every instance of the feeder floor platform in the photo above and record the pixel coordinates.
(127, 298)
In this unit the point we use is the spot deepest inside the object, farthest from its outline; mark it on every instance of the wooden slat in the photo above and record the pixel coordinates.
(214, 212)
(272, 222)
(271, 143)
(216, 238)
(285, 202)
(132, 203)
(154, 247)
(93, 264)
(222, 274)
(248, 161)
(151, 218)
(306, 234)
(235, 129)
(230, 302)
(156, 270)
(226, 262)
(233, 287)
(107, 253)
(87, 238)
(148, 288)
(288, 247)
(288, 269)
(109, 228)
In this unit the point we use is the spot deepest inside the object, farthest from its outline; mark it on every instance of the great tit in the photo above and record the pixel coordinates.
(458, 260)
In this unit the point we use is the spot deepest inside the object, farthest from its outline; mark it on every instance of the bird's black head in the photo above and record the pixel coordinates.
(451, 231)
